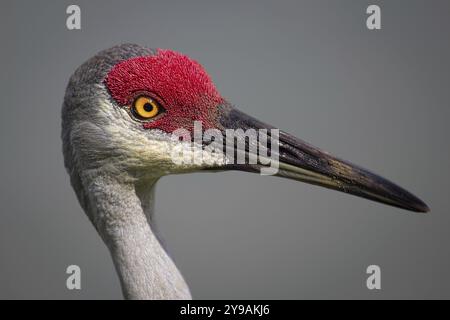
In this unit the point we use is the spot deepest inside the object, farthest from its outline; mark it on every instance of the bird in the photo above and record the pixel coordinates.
(120, 111)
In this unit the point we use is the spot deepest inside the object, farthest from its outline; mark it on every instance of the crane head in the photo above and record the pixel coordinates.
(129, 109)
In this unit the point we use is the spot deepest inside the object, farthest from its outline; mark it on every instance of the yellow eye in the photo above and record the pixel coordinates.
(145, 108)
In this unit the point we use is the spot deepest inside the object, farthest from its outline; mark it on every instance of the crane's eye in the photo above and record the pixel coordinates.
(145, 108)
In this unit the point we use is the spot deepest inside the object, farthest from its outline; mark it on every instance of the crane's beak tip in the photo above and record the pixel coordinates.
(421, 207)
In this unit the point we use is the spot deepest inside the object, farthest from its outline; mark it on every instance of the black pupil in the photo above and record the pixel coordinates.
(148, 107)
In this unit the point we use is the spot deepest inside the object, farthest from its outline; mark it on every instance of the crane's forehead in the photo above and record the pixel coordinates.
(174, 77)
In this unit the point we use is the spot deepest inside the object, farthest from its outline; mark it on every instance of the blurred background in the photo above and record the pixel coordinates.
(377, 98)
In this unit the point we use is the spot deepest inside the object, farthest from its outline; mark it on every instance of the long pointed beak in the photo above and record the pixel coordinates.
(301, 161)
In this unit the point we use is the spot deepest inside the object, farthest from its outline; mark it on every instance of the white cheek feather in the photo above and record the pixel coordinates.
(155, 151)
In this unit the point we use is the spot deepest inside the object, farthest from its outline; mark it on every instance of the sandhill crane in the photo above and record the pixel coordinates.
(119, 111)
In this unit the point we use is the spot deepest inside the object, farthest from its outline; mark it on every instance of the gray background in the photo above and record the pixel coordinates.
(377, 98)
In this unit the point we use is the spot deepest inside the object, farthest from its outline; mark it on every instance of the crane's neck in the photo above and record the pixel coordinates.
(122, 214)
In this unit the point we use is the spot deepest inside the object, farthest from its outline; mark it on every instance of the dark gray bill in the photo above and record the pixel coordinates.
(301, 161)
